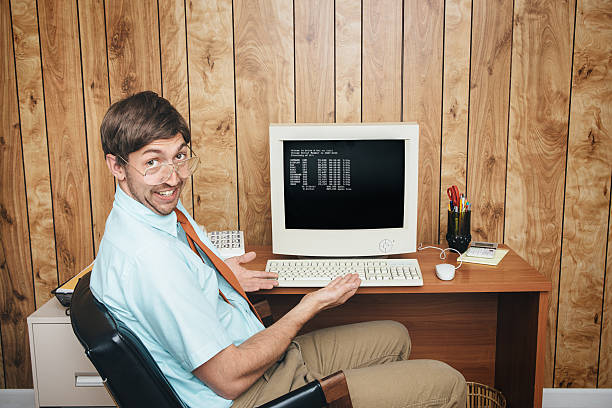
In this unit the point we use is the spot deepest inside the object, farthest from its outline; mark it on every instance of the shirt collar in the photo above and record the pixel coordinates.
(166, 223)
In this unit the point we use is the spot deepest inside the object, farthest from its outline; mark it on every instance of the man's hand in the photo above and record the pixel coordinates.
(334, 294)
(251, 281)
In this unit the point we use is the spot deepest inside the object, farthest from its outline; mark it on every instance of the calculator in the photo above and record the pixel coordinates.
(229, 243)
(482, 249)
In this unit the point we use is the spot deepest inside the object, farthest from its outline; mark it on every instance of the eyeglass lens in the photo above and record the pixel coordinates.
(160, 174)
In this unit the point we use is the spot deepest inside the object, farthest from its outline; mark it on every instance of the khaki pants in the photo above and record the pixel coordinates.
(374, 358)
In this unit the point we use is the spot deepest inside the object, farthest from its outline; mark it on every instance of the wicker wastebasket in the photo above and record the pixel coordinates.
(483, 396)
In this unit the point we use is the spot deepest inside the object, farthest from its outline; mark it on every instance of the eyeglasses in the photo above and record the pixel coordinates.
(160, 173)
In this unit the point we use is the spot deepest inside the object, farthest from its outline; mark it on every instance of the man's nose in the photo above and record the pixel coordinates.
(174, 178)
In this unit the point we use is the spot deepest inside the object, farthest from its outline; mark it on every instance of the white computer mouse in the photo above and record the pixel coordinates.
(445, 271)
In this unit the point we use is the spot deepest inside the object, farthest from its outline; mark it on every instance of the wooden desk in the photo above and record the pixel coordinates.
(489, 322)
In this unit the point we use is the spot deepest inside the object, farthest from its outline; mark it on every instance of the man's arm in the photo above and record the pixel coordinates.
(234, 369)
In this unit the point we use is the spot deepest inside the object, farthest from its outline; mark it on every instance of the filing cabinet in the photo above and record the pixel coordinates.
(62, 373)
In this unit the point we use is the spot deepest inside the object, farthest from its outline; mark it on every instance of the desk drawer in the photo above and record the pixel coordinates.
(60, 362)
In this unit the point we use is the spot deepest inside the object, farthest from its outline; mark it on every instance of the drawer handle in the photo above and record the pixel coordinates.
(88, 380)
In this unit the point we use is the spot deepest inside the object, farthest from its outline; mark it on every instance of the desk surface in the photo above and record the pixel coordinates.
(489, 322)
(512, 274)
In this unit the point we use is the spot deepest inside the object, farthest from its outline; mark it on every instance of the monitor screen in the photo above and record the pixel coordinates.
(343, 184)
(344, 190)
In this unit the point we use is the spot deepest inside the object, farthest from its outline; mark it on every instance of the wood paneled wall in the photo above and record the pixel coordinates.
(513, 99)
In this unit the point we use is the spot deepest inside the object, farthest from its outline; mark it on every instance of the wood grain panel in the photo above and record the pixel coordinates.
(604, 376)
(97, 99)
(422, 93)
(314, 61)
(455, 101)
(211, 89)
(348, 61)
(16, 296)
(132, 38)
(173, 49)
(35, 149)
(537, 141)
(59, 38)
(458, 329)
(587, 200)
(382, 61)
(142, 55)
(263, 35)
(490, 74)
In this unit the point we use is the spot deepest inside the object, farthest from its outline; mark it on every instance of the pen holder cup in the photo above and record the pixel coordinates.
(458, 232)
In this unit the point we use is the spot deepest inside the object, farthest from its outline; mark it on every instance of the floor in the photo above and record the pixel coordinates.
(17, 398)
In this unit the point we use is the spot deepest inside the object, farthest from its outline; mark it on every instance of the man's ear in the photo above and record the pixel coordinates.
(115, 167)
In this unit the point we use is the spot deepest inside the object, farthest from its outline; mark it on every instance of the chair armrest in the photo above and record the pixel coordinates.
(336, 390)
(308, 396)
(332, 390)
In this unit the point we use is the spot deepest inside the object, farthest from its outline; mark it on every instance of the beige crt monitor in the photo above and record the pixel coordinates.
(344, 190)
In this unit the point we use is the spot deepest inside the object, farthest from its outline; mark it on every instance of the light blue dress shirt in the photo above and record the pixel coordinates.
(149, 278)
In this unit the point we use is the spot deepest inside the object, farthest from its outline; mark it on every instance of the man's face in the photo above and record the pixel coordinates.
(163, 198)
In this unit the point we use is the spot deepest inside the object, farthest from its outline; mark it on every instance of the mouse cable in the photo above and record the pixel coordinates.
(442, 253)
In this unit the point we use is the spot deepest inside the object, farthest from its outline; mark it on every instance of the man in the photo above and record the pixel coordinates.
(158, 273)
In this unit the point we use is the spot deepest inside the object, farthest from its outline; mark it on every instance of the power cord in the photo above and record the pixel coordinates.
(442, 252)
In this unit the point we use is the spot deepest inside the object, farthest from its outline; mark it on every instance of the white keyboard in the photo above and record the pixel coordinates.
(373, 272)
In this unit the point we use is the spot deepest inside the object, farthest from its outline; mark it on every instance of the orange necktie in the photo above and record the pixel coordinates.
(221, 266)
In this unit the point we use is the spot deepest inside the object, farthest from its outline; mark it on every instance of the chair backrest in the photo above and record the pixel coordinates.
(132, 376)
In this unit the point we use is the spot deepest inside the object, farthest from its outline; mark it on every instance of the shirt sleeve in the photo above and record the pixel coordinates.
(178, 306)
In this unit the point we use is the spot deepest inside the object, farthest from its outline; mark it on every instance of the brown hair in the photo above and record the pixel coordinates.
(134, 122)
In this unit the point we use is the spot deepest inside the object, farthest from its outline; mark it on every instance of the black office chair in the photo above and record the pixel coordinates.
(134, 379)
